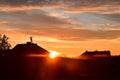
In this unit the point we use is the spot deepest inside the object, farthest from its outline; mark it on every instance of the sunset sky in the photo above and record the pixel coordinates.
(66, 26)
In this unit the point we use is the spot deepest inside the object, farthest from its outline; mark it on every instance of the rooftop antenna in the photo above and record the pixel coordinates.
(31, 39)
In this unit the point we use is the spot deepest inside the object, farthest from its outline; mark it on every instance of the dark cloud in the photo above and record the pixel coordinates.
(29, 19)
(113, 17)
(96, 6)
(68, 2)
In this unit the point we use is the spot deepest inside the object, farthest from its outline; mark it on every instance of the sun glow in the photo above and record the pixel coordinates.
(53, 54)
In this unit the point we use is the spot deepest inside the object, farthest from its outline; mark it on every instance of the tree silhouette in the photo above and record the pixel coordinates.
(4, 45)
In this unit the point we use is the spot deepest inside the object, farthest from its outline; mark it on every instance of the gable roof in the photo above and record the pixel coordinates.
(96, 53)
(29, 48)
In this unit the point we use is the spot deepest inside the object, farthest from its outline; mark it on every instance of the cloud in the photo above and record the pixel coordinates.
(70, 35)
(103, 9)
(41, 23)
(94, 6)
(38, 18)
(73, 6)
(82, 35)
(107, 26)
(22, 8)
(112, 17)
(3, 22)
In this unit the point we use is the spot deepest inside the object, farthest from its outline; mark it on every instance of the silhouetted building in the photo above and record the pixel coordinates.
(96, 53)
(29, 48)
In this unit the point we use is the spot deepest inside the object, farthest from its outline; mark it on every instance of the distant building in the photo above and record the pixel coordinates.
(29, 48)
(96, 53)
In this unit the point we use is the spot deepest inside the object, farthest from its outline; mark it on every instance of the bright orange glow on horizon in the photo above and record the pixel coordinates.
(53, 54)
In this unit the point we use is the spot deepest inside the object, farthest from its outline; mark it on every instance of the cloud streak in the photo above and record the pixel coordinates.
(43, 24)
(76, 6)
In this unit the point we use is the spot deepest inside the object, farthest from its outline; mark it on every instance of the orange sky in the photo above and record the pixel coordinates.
(69, 27)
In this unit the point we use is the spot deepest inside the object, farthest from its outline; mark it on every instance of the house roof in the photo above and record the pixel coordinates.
(95, 53)
(29, 48)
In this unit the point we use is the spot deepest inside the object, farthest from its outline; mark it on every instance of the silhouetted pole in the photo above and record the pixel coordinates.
(31, 40)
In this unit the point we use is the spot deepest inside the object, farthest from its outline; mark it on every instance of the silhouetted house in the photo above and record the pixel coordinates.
(29, 48)
(96, 53)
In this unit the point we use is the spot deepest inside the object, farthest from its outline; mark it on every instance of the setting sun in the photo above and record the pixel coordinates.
(53, 54)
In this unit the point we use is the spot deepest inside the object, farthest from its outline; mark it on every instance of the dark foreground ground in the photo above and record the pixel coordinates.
(44, 68)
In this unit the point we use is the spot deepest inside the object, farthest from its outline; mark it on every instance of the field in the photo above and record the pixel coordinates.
(44, 68)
